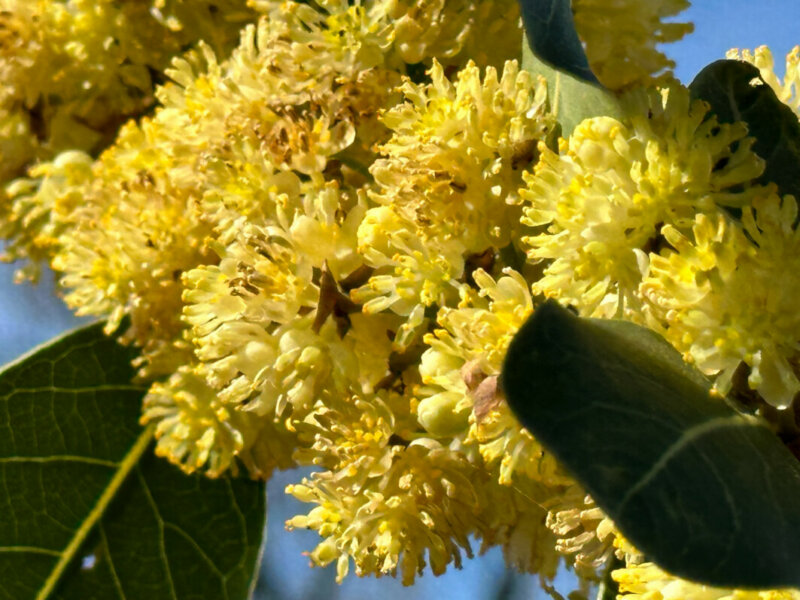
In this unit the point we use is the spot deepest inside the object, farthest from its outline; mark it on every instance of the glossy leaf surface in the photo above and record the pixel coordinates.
(736, 92)
(550, 31)
(706, 493)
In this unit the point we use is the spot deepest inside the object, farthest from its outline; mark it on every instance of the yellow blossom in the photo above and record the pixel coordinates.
(270, 322)
(18, 145)
(461, 397)
(445, 29)
(412, 32)
(604, 198)
(381, 492)
(297, 117)
(788, 89)
(514, 519)
(39, 209)
(390, 499)
(647, 582)
(621, 37)
(195, 431)
(585, 534)
(454, 162)
(408, 504)
(80, 67)
(410, 274)
(145, 188)
(728, 293)
(127, 243)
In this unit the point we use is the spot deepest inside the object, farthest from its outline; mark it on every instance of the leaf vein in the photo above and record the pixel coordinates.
(112, 569)
(688, 436)
(162, 540)
(72, 390)
(59, 458)
(127, 464)
(29, 550)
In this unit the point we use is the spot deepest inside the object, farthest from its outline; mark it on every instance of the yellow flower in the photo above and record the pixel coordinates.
(413, 32)
(348, 434)
(788, 89)
(271, 324)
(196, 431)
(404, 506)
(282, 97)
(390, 494)
(461, 397)
(514, 519)
(448, 29)
(727, 295)
(18, 145)
(647, 582)
(620, 37)
(454, 163)
(241, 184)
(604, 198)
(80, 67)
(337, 39)
(390, 498)
(411, 274)
(123, 247)
(39, 208)
(585, 534)
(137, 228)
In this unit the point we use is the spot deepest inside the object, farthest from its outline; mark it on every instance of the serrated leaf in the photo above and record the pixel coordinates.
(550, 31)
(708, 494)
(736, 92)
(88, 512)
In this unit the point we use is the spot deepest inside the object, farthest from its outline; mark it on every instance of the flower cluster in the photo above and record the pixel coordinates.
(646, 581)
(788, 89)
(74, 70)
(323, 238)
(629, 57)
(604, 198)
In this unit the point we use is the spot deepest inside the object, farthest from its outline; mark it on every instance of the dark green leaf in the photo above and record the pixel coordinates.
(708, 494)
(736, 92)
(571, 99)
(551, 34)
(88, 512)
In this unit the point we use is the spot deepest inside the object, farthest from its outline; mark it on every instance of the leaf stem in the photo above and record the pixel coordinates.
(130, 460)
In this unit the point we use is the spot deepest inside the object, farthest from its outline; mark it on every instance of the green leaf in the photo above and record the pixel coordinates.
(554, 51)
(736, 92)
(551, 34)
(571, 99)
(88, 511)
(708, 494)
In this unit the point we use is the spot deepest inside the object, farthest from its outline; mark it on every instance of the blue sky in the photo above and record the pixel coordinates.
(32, 315)
(724, 24)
